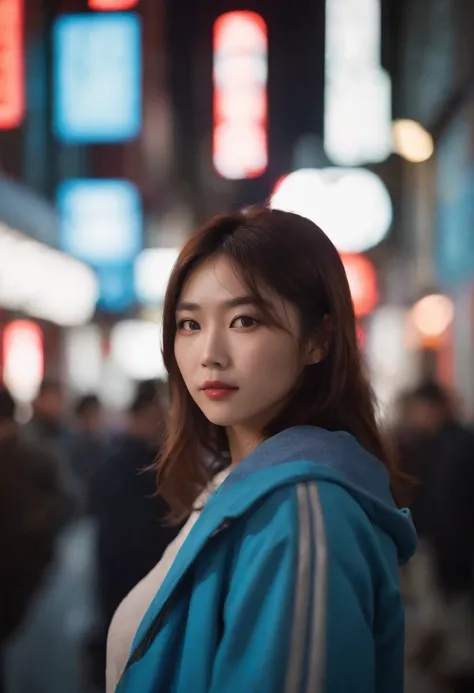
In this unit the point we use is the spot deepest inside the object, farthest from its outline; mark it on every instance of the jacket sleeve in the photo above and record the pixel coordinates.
(275, 609)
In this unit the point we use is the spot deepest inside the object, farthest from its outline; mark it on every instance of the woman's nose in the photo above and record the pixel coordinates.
(215, 353)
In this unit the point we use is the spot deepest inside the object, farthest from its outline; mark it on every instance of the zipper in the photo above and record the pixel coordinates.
(225, 524)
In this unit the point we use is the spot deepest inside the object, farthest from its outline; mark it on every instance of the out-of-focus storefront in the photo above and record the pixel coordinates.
(454, 238)
(436, 90)
(43, 291)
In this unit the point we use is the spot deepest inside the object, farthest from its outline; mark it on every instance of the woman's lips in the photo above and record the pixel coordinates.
(218, 390)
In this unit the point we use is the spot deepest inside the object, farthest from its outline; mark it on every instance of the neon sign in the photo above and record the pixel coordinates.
(23, 358)
(101, 224)
(357, 98)
(362, 278)
(97, 77)
(240, 95)
(112, 5)
(12, 97)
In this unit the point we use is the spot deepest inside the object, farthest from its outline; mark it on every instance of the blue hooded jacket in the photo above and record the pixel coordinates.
(288, 581)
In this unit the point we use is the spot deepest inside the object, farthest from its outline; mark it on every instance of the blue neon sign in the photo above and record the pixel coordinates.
(97, 77)
(101, 223)
(116, 287)
(100, 220)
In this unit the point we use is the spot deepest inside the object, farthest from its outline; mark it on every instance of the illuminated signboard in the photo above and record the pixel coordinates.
(112, 5)
(362, 278)
(351, 205)
(357, 96)
(116, 287)
(54, 286)
(23, 358)
(153, 268)
(101, 223)
(101, 220)
(240, 95)
(97, 77)
(12, 97)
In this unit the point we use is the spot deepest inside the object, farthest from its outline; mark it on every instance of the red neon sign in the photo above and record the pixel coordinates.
(240, 95)
(23, 358)
(12, 97)
(362, 278)
(112, 5)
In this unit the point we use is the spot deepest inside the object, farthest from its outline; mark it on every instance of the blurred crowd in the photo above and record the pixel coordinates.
(82, 524)
(437, 450)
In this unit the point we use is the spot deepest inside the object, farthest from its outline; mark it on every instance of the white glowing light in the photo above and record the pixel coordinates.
(352, 206)
(152, 272)
(116, 389)
(392, 365)
(23, 359)
(44, 282)
(135, 345)
(84, 358)
(358, 107)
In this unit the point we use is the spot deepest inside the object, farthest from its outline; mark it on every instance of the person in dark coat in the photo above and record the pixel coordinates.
(48, 429)
(439, 450)
(30, 508)
(88, 446)
(131, 518)
(132, 533)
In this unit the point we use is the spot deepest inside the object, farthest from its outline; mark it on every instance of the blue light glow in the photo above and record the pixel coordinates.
(97, 77)
(101, 223)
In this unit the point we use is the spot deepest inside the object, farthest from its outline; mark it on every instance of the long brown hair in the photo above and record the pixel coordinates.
(292, 256)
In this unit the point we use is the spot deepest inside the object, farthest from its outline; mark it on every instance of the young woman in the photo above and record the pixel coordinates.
(287, 580)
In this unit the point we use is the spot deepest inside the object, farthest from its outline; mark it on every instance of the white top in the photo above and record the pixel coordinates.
(131, 611)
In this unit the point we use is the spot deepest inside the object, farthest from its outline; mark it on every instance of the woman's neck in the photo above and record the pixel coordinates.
(242, 442)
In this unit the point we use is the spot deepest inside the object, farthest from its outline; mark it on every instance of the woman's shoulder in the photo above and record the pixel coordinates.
(321, 515)
(309, 532)
(291, 508)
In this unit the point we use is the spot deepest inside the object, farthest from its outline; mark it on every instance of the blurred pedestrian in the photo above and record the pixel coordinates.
(48, 428)
(30, 506)
(131, 517)
(89, 444)
(439, 450)
(52, 638)
(8, 423)
(47, 423)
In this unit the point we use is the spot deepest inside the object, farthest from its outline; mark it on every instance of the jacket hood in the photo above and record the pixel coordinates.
(334, 456)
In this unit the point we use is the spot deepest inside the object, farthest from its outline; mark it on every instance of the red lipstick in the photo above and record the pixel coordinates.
(216, 389)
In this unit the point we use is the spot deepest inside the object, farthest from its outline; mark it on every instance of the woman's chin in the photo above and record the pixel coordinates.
(221, 416)
(223, 421)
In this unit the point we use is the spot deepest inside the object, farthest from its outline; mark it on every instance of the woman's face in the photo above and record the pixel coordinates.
(238, 369)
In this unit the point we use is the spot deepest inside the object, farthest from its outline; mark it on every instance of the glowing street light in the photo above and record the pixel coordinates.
(432, 315)
(351, 205)
(411, 141)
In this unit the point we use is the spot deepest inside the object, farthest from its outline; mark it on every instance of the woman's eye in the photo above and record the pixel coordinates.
(188, 325)
(244, 321)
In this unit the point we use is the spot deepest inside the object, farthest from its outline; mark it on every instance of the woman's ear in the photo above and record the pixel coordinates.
(319, 344)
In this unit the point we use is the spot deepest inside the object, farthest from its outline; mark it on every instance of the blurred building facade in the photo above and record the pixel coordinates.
(172, 182)
(435, 88)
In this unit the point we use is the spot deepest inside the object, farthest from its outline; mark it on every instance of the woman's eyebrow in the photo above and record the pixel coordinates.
(231, 303)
